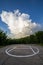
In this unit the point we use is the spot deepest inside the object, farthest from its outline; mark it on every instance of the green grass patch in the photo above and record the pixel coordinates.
(1, 46)
(41, 44)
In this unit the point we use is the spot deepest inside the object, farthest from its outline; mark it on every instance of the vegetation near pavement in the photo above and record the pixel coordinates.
(36, 38)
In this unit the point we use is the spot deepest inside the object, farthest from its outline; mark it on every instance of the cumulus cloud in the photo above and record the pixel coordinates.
(19, 24)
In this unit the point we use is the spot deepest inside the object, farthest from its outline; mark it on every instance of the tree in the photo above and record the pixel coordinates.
(39, 36)
(32, 39)
(3, 37)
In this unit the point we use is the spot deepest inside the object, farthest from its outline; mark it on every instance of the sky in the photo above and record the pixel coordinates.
(21, 17)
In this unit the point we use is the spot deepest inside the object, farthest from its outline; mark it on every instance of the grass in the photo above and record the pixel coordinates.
(41, 44)
(1, 46)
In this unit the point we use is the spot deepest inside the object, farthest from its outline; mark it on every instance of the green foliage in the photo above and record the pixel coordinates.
(3, 37)
(39, 36)
(36, 38)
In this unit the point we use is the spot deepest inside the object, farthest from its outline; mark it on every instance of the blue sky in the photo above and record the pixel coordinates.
(32, 7)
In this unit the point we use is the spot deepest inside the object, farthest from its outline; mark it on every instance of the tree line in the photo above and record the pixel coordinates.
(36, 38)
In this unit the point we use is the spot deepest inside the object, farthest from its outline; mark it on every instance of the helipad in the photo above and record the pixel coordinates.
(22, 51)
(21, 54)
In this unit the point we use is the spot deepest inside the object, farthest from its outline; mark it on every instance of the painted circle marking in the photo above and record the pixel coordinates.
(34, 53)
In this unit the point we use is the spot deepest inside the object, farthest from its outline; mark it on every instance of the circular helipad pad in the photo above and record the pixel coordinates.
(22, 51)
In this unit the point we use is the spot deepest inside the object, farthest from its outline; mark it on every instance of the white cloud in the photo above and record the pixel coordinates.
(19, 24)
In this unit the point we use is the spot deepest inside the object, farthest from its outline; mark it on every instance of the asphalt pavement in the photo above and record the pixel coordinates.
(21, 55)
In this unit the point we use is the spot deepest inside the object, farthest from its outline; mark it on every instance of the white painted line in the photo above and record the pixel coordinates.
(32, 49)
(11, 49)
(34, 53)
